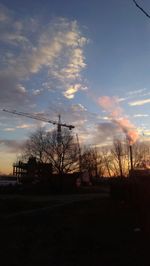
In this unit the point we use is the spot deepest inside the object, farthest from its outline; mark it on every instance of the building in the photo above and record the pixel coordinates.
(32, 170)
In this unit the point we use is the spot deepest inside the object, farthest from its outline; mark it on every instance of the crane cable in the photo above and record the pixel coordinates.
(138, 6)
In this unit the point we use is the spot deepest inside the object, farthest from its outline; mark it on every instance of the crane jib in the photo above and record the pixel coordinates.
(39, 118)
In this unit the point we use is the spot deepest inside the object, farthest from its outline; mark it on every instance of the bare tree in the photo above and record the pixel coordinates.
(62, 154)
(107, 162)
(89, 161)
(119, 154)
(34, 146)
(141, 154)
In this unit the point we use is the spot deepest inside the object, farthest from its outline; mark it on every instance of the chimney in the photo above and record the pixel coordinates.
(131, 157)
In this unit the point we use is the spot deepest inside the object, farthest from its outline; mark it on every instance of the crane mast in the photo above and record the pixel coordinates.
(36, 117)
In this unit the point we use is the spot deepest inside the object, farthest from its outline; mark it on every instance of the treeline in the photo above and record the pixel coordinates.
(66, 155)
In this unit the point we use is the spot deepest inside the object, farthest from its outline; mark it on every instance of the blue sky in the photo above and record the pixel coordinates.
(61, 56)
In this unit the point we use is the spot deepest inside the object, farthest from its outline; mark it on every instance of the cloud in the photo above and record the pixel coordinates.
(36, 58)
(37, 92)
(78, 107)
(140, 102)
(21, 89)
(105, 118)
(78, 116)
(70, 92)
(11, 91)
(139, 91)
(55, 52)
(25, 126)
(106, 132)
(99, 134)
(146, 133)
(111, 105)
(4, 14)
(9, 129)
(88, 126)
(59, 49)
(75, 114)
(140, 115)
(122, 99)
(12, 146)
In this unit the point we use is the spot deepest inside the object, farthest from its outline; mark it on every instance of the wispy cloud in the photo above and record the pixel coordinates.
(106, 132)
(25, 126)
(140, 115)
(140, 102)
(11, 146)
(132, 94)
(122, 99)
(79, 107)
(9, 129)
(4, 14)
(21, 126)
(135, 92)
(57, 49)
(12, 92)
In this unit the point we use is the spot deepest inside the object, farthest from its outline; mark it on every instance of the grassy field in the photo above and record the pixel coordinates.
(100, 231)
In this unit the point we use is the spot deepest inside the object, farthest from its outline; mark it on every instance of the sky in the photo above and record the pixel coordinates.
(70, 57)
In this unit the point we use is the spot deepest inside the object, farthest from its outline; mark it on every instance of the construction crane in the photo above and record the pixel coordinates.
(36, 117)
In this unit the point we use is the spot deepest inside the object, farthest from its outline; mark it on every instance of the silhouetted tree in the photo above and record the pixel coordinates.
(107, 162)
(97, 161)
(63, 154)
(34, 146)
(141, 154)
(119, 153)
(89, 161)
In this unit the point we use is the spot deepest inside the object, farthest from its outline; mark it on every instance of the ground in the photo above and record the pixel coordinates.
(71, 230)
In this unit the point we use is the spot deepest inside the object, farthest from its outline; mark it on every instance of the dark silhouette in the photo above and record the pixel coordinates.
(32, 170)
